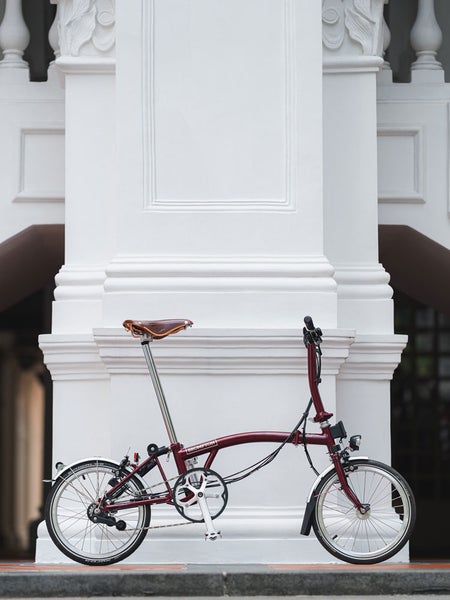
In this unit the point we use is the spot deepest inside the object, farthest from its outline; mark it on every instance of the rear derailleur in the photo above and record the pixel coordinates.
(99, 516)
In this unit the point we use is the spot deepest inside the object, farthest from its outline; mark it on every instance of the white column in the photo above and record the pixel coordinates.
(353, 43)
(86, 48)
(81, 383)
(220, 220)
(14, 36)
(426, 39)
(353, 35)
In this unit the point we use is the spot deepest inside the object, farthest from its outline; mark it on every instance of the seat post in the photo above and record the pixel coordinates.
(145, 342)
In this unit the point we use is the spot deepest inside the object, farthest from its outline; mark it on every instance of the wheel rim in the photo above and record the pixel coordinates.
(380, 532)
(77, 533)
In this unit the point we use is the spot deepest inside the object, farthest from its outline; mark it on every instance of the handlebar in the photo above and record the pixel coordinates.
(309, 323)
(311, 334)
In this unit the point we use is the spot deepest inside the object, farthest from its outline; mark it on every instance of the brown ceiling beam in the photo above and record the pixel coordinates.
(419, 267)
(29, 261)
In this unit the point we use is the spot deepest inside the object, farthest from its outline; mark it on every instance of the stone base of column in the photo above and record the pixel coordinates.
(267, 536)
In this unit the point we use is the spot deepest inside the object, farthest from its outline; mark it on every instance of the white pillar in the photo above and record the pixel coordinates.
(86, 48)
(426, 39)
(80, 380)
(14, 36)
(354, 33)
(353, 41)
(220, 220)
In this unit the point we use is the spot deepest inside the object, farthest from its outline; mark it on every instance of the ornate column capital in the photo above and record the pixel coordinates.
(86, 28)
(352, 33)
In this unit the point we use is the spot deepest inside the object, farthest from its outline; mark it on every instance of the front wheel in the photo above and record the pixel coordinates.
(82, 531)
(375, 535)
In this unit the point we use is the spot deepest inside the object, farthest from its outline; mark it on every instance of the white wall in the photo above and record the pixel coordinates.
(413, 154)
(32, 164)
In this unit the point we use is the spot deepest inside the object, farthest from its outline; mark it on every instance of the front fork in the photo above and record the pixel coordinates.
(339, 467)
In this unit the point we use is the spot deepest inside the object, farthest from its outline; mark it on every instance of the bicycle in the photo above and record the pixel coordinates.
(98, 511)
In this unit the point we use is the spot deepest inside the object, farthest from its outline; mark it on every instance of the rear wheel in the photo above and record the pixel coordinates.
(375, 535)
(82, 531)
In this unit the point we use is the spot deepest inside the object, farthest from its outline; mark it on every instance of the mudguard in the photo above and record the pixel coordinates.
(113, 463)
(312, 498)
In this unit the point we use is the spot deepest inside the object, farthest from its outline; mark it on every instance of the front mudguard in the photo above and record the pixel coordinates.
(312, 498)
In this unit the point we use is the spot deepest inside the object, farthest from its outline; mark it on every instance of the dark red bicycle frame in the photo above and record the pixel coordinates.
(212, 447)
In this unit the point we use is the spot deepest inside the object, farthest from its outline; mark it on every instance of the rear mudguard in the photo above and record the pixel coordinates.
(113, 463)
(312, 498)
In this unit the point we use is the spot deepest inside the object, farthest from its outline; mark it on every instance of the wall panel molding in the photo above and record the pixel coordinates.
(401, 159)
(155, 199)
(41, 164)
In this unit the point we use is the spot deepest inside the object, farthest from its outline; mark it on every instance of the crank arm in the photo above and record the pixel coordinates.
(211, 533)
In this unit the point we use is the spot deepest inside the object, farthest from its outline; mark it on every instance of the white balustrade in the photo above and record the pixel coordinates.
(14, 36)
(426, 39)
(385, 74)
(386, 42)
(53, 34)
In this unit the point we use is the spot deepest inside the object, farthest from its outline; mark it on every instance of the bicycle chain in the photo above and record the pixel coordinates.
(160, 526)
(150, 490)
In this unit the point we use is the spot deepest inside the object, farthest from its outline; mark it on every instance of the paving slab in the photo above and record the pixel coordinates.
(29, 580)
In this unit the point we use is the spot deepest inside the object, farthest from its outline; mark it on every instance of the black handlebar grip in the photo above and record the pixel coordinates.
(309, 323)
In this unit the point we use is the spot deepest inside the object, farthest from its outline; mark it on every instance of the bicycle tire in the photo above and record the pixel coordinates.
(73, 530)
(382, 531)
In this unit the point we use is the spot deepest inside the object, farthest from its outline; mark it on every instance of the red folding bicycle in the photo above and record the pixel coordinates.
(98, 511)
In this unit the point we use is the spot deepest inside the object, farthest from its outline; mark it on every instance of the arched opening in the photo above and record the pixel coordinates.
(420, 405)
(28, 264)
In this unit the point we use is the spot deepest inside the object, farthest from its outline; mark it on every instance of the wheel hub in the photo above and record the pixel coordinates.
(363, 513)
(97, 515)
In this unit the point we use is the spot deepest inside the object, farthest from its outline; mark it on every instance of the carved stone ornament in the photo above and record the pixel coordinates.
(333, 19)
(86, 26)
(361, 20)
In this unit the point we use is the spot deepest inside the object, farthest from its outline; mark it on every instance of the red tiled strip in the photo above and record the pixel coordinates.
(4, 567)
(346, 567)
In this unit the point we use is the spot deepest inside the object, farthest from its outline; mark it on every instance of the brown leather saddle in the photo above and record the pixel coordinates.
(157, 330)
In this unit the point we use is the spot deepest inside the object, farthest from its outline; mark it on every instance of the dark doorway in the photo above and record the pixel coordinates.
(421, 421)
(29, 262)
(25, 422)
(420, 398)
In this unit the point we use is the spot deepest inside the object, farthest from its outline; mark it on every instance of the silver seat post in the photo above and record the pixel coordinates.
(145, 341)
